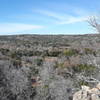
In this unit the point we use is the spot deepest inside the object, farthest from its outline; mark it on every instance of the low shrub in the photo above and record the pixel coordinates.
(46, 86)
(79, 83)
(53, 53)
(88, 69)
(16, 63)
(59, 65)
(89, 51)
(15, 55)
(20, 53)
(39, 61)
(37, 53)
(4, 51)
(34, 71)
(70, 52)
(82, 82)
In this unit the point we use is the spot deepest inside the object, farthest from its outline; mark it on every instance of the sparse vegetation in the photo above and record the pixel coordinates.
(54, 64)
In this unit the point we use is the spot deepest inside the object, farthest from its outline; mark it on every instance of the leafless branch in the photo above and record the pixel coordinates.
(94, 23)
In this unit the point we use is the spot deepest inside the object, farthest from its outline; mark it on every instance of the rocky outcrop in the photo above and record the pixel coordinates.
(88, 94)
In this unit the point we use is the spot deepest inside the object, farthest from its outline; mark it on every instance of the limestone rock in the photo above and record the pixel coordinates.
(88, 94)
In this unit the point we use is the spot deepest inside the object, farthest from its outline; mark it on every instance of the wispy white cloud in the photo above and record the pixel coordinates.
(17, 27)
(61, 18)
(50, 14)
(72, 20)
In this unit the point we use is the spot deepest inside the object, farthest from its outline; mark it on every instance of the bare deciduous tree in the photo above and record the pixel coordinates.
(95, 23)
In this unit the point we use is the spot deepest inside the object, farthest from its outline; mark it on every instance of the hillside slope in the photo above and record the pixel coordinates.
(47, 67)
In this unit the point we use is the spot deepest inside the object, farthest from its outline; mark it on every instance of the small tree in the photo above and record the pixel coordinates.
(95, 23)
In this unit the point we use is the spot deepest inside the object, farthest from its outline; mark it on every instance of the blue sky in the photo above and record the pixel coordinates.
(47, 16)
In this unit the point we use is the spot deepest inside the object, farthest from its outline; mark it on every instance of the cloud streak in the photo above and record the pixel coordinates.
(73, 20)
(17, 27)
(61, 18)
(51, 14)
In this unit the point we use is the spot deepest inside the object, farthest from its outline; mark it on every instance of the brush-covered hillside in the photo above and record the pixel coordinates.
(48, 67)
